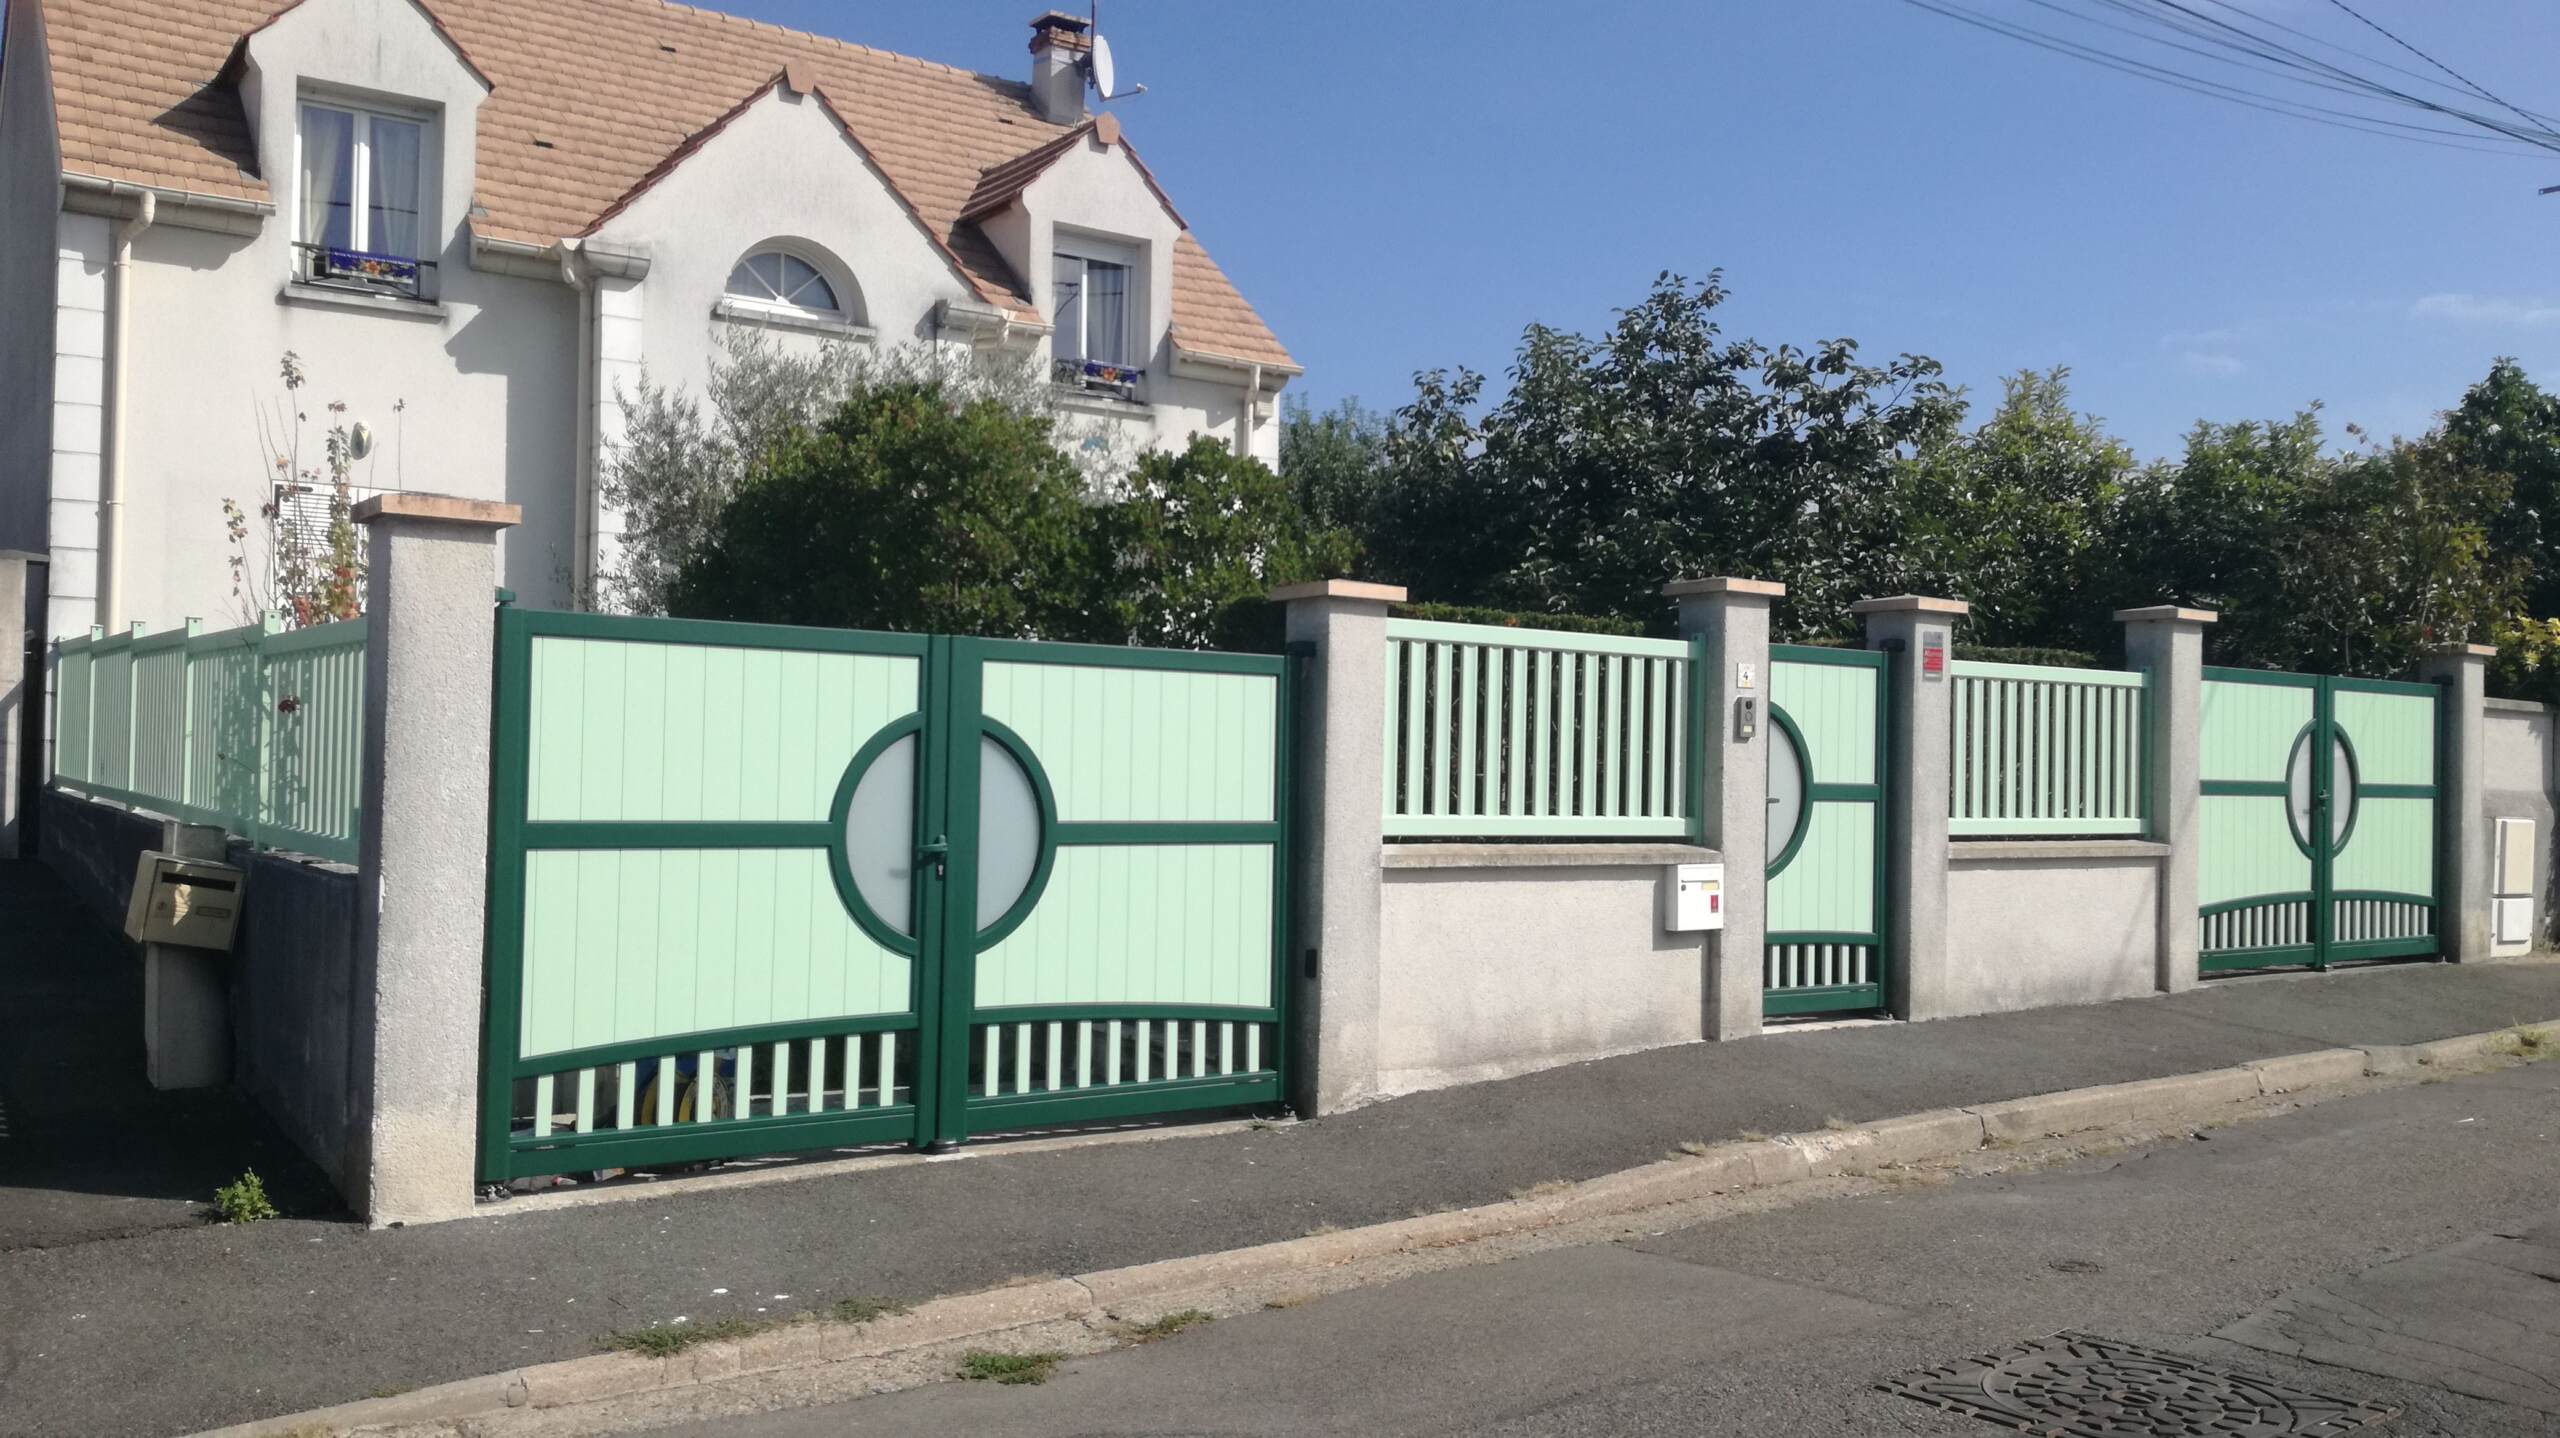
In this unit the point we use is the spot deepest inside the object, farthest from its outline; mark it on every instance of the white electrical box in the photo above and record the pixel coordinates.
(2511, 921)
(1693, 898)
(186, 902)
(2515, 856)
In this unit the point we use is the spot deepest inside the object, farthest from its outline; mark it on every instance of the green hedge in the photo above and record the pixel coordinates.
(1518, 619)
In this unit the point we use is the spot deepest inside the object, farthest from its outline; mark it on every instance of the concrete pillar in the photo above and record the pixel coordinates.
(2167, 642)
(1732, 786)
(17, 689)
(422, 850)
(1920, 633)
(1339, 774)
(186, 993)
(2462, 814)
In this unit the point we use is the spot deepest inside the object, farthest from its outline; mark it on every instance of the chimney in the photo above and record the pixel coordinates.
(1059, 45)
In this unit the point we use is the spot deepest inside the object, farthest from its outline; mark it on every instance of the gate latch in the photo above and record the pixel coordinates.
(939, 852)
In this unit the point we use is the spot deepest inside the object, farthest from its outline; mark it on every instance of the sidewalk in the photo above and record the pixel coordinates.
(176, 1330)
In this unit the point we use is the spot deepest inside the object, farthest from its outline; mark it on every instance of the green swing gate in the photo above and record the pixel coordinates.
(755, 890)
(2317, 820)
(1825, 943)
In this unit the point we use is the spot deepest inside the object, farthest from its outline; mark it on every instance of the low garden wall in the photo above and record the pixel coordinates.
(2037, 923)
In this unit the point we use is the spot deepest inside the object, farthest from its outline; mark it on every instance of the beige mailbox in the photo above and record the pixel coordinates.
(186, 902)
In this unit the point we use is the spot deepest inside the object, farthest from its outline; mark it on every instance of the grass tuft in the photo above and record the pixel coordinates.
(666, 1340)
(979, 1365)
(243, 1200)
(2528, 1044)
(1542, 1188)
(1836, 1123)
(1752, 1135)
(1321, 1229)
(1695, 1147)
(1164, 1327)
(863, 1310)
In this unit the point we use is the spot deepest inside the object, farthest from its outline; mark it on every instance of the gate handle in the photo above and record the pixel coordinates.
(939, 851)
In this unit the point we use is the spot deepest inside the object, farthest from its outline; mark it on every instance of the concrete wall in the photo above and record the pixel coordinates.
(2517, 780)
(30, 196)
(2032, 924)
(292, 966)
(1492, 965)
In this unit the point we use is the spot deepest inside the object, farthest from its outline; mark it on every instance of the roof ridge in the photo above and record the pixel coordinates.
(834, 40)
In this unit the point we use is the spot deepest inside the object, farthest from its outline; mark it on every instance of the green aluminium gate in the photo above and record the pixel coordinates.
(2317, 822)
(1826, 831)
(759, 889)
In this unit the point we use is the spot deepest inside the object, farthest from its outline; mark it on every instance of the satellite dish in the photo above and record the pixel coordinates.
(1101, 65)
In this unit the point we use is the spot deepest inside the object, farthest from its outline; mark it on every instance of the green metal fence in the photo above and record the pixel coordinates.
(1827, 916)
(258, 729)
(2048, 751)
(1525, 733)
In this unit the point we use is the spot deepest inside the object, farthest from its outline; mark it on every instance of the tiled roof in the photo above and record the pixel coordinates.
(614, 87)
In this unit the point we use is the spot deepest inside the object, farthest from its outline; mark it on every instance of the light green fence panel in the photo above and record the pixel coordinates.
(1525, 733)
(257, 730)
(2381, 890)
(1826, 920)
(2255, 867)
(2050, 751)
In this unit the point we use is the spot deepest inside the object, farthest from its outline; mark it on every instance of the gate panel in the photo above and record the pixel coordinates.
(689, 955)
(1115, 912)
(2382, 886)
(2254, 866)
(1826, 824)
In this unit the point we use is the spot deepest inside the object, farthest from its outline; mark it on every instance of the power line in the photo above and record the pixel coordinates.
(2215, 89)
(2275, 59)
(2467, 82)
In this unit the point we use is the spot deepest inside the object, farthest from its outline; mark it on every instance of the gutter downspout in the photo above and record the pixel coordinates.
(1246, 416)
(582, 570)
(112, 473)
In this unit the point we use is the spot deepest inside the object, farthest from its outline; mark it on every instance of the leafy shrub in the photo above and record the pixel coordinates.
(243, 1200)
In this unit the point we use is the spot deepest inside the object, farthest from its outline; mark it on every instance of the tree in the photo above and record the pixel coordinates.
(906, 509)
(2013, 517)
(1335, 463)
(1195, 540)
(2507, 424)
(1658, 450)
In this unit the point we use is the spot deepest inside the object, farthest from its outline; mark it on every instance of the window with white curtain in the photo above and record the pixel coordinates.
(360, 212)
(1090, 310)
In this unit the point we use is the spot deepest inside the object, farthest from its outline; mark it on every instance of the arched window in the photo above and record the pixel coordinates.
(775, 279)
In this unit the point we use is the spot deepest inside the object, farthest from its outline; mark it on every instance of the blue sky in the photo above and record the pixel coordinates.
(1404, 186)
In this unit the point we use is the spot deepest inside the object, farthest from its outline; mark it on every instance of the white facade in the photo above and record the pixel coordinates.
(503, 379)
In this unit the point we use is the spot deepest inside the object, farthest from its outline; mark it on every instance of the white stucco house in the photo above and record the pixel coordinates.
(477, 222)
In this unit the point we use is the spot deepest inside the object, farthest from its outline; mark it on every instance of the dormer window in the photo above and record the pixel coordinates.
(363, 190)
(1089, 319)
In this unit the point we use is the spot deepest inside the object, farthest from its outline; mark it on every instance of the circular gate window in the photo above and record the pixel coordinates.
(2342, 790)
(879, 835)
(1009, 825)
(1786, 789)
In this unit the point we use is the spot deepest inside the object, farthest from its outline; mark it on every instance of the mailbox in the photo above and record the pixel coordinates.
(1693, 898)
(186, 902)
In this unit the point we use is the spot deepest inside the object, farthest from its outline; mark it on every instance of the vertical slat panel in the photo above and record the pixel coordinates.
(1515, 711)
(1467, 703)
(1586, 795)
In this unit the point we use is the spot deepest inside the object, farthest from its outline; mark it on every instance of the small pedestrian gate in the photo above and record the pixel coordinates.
(2317, 822)
(1826, 913)
(762, 889)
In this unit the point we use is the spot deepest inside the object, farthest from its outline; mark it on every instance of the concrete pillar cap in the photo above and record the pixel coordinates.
(1723, 584)
(2166, 613)
(442, 508)
(2463, 651)
(1912, 604)
(1340, 589)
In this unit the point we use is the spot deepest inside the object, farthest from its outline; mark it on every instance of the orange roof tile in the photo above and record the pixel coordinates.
(615, 87)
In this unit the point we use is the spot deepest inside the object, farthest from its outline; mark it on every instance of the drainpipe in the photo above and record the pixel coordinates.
(1245, 416)
(146, 208)
(582, 568)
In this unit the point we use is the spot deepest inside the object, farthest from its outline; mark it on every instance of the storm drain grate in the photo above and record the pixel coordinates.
(2076, 1385)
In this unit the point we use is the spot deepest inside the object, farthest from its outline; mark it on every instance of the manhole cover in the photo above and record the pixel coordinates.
(2074, 1385)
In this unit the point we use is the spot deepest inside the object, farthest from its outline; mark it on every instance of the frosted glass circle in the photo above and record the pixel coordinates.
(2342, 791)
(1008, 831)
(880, 835)
(1786, 789)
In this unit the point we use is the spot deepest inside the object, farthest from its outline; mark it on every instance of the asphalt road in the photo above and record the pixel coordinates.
(2412, 1237)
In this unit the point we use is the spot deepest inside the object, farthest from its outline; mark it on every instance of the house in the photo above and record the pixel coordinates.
(478, 222)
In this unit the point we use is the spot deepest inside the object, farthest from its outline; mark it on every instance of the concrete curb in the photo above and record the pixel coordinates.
(1100, 1296)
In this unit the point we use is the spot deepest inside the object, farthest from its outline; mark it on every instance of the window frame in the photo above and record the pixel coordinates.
(752, 306)
(361, 116)
(1122, 377)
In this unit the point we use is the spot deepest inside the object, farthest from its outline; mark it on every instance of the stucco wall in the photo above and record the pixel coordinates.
(2036, 924)
(1485, 972)
(29, 197)
(2517, 777)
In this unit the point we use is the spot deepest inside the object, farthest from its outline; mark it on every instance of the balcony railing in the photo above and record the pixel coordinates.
(363, 270)
(1094, 377)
